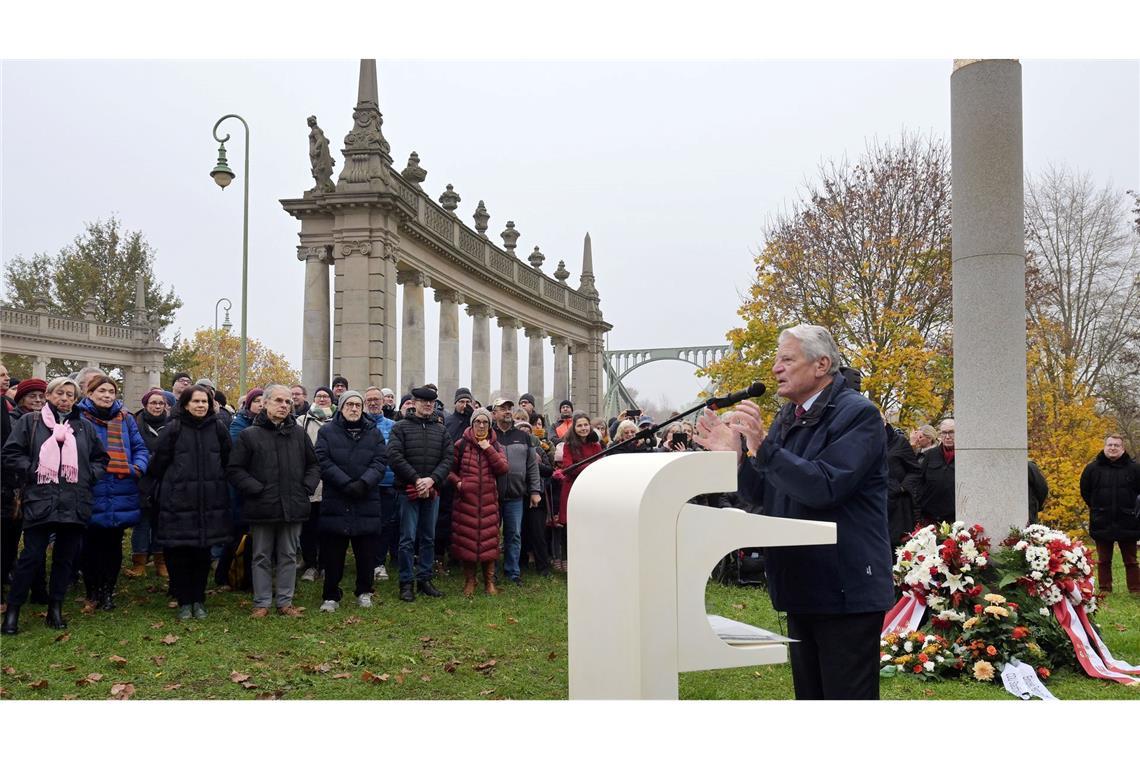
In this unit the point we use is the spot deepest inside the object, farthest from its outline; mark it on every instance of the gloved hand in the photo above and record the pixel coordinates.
(559, 475)
(357, 489)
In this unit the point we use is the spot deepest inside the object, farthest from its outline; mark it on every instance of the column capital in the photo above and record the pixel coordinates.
(508, 322)
(314, 253)
(444, 294)
(354, 248)
(534, 332)
(559, 341)
(412, 277)
(478, 310)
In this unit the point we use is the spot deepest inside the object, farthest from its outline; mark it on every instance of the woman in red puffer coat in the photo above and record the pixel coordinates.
(479, 460)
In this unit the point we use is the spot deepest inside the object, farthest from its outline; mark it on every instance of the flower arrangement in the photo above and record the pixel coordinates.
(926, 656)
(996, 634)
(1049, 565)
(939, 565)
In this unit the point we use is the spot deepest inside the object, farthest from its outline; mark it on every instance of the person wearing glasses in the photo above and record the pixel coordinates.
(936, 496)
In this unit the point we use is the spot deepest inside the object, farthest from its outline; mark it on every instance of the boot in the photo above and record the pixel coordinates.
(407, 594)
(55, 616)
(468, 579)
(160, 565)
(138, 566)
(107, 599)
(1132, 577)
(11, 620)
(489, 578)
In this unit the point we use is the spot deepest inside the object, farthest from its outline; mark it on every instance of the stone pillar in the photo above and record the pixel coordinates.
(412, 330)
(509, 366)
(40, 367)
(480, 352)
(316, 317)
(448, 379)
(580, 381)
(989, 294)
(561, 370)
(536, 369)
(352, 338)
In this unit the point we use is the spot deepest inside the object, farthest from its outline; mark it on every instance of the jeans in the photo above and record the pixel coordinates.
(274, 544)
(142, 539)
(512, 511)
(389, 546)
(422, 514)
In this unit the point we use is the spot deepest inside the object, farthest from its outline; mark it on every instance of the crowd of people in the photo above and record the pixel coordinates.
(283, 486)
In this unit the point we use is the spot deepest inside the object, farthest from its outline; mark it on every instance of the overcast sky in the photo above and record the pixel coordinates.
(673, 168)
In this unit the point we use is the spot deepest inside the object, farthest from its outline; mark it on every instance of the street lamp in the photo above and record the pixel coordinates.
(217, 338)
(223, 175)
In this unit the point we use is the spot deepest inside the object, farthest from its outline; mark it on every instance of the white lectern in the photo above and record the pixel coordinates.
(640, 557)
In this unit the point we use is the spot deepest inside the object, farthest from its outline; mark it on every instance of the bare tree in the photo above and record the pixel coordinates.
(1082, 249)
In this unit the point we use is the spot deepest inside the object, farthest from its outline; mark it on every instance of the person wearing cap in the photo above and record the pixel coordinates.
(179, 383)
(520, 483)
(535, 542)
(420, 454)
(527, 404)
(643, 422)
(565, 421)
(30, 395)
(352, 457)
(479, 461)
(151, 419)
(407, 407)
(339, 386)
(377, 406)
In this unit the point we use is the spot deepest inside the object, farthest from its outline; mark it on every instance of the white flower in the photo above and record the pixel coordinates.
(1043, 612)
(969, 551)
(885, 658)
(1035, 575)
(939, 658)
(965, 568)
(909, 647)
(954, 583)
(980, 561)
(899, 668)
(928, 666)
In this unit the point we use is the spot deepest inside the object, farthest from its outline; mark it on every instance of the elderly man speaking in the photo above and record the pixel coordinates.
(822, 458)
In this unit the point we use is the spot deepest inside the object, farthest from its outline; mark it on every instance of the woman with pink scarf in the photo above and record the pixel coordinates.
(55, 458)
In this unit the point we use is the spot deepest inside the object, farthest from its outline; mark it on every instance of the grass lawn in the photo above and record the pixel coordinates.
(512, 646)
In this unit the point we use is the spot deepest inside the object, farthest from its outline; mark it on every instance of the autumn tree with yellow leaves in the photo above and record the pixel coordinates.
(216, 354)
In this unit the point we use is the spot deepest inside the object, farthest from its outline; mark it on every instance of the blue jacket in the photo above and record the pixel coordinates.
(116, 498)
(344, 459)
(385, 426)
(829, 465)
(242, 419)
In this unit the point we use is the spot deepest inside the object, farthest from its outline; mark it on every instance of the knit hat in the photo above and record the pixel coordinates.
(463, 393)
(565, 402)
(425, 393)
(156, 392)
(253, 395)
(387, 392)
(324, 388)
(350, 394)
(405, 399)
(178, 376)
(482, 412)
(30, 385)
(206, 382)
(527, 397)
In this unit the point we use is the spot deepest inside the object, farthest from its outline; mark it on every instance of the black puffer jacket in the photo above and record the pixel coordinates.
(420, 448)
(456, 423)
(62, 502)
(936, 501)
(193, 498)
(275, 469)
(904, 481)
(344, 458)
(1110, 488)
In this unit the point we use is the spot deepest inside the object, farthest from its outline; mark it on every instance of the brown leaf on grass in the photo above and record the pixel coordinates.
(255, 657)
(172, 687)
(3, 693)
(158, 660)
(351, 620)
(451, 665)
(63, 637)
(338, 676)
(248, 685)
(928, 692)
(492, 625)
(369, 677)
(425, 639)
(40, 683)
(123, 642)
(485, 692)
(1120, 627)
(552, 656)
(237, 677)
(169, 639)
(120, 661)
(399, 678)
(71, 668)
(425, 678)
(513, 621)
(739, 606)
(122, 691)
(89, 679)
(9, 670)
(157, 625)
(406, 671)
(270, 694)
(69, 697)
(323, 667)
(486, 665)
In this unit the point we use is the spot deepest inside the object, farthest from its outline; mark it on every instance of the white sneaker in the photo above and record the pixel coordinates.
(380, 574)
(310, 574)
(364, 600)
(330, 605)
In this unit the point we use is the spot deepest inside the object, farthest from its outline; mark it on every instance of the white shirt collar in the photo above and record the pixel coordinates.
(807, 404)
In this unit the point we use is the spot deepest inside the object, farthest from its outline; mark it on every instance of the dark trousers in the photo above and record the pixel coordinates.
(333, 549)
(835, 656)
(534, 536)
(311, 537)
(443, 520)
(34, 555)
(102, 558)
(9, 546)
(388, 549)
(1104, 565)
(189, 568)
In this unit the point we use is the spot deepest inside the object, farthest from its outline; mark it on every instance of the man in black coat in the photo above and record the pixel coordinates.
(904, 481)
(936, 500)
(420, 453)
(823, 458)
(274, 467)
(1110, 486)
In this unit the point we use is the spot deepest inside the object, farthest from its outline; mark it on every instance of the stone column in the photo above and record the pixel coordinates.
(352, 338)
(448, 379)
(561, 370)
(509, 366)
(536, 369)
(412, 330)
(581, 367)
(480, 352)
(316, 316)
(989, 294)
(40, 367)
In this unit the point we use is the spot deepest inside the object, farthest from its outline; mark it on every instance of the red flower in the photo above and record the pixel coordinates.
(1043, 672)
(1012, 605)
(917, 668)
(949, 543)
(922, 657)
(991, 651)
(975, 591)
(977, 528)
(907, 556)
(956, 598)
(1020, 632)
(978, 609)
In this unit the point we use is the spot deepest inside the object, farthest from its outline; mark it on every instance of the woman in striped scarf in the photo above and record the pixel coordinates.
(116, 506)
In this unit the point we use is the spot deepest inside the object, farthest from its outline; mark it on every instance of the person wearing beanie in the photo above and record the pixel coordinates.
(151, 420)
(407, 406)
(30, 395)
(353, 459)
(320, 413)
(565, 422)
(339, 386)
(389, 405)
(420, 454)
(376, 407)
(248, 412)
(520, 488)
(528, 404)
(179, 383)
(456, 422)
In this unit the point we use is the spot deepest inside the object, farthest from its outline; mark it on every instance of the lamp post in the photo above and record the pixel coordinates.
(223, 175)
(217, 338)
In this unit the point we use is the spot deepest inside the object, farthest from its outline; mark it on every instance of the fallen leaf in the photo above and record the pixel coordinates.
(492, 625)
(323, 667)
(248, 685)
(337, 676)
(157, 625)
(89, 679)
(552, 656)
(3, 693)
(270, 694)
(158, 660)
(512, 621)
(169, 639)
(122, 691)
(120, 661)
(485, 692)
(38, 684)
(451, 665)
(399, 678)
(63, 637)
(369, 677)
(1120, 627)
(70, 696)
(172, 687)
(738, 606)
(425, 679)
(123, 642)
(70, 668)
(405, 671)
(9, 670)
(55, 666)
(928, 692)
(237, 677)
(425, 639)
(486, 665)
(256, 657)
(351, 620)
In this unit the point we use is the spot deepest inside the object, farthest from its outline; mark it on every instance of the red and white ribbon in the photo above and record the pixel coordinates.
(1094, 658)
(904, 617)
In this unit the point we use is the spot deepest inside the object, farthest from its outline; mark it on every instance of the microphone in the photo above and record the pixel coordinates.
(756, 389)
